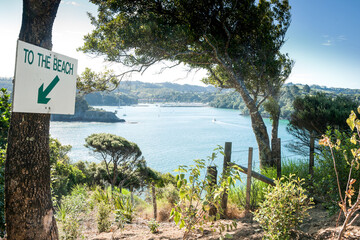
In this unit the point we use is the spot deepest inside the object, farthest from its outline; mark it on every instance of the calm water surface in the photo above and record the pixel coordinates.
(171, 136)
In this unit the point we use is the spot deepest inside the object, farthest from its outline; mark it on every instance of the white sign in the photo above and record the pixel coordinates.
(45, 81)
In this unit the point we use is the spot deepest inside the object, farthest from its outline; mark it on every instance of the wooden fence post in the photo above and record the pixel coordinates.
(248, 181)
(227, 160)
(212, 176)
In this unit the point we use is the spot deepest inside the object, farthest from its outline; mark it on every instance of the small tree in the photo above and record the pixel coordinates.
(349, 199)
(199, 196)
(117, 152)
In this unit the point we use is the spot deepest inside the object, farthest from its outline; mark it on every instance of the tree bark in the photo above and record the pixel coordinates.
(275, 148)
(153, 193)
(258, 126)
(28, 206)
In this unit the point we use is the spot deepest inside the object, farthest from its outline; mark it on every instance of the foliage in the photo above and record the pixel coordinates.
(64, 176)
(58, 152)
(69, 212)
(2, 192)
(90, 81)
(124, 208)
(5, 106)
(284, 207)
(348, 204)
(238, 43)
(325, 180)
(111, 99)
(103, 221)
(168, 192)
(237, 195)
(313, 114)
(153, 226)
(198, 195)
(118, 152)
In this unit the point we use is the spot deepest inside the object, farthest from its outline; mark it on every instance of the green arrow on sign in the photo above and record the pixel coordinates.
(42, 95)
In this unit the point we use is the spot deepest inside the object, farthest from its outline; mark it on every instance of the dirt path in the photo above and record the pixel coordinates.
(318, 226)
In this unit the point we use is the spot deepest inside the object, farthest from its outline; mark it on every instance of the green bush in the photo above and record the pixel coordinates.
(103, 221)
(325, 182)
(124, 209)
(69, 212)
(284, 208)
(64, 177)
(153, 226)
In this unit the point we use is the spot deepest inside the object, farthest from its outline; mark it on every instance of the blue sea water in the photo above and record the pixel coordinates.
(171, 136)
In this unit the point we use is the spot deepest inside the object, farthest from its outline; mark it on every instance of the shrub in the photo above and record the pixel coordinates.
(351, 153)
(124, 209)
(68, 212)
(153, 226)
(325, 181)
(103, 221)
(198, 196)
(284, 207)
(64, 177)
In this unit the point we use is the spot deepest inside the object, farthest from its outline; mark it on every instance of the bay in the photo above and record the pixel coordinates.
(171, 136)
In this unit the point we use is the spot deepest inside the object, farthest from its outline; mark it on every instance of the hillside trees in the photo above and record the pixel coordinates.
(311, 117)
(29, 210)
(237, 42)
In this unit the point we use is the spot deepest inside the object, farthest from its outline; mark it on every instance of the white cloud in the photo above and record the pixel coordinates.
(71, 3)
(327, 43)
(330, 40)
(341, 38)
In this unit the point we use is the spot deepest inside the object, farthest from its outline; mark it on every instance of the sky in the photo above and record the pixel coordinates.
(323, 40)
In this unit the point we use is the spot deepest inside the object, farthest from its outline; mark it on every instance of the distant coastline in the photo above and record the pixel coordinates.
(85, 113)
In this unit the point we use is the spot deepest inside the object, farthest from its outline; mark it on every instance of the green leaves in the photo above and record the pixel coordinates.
(5, 106)
(90, 81)
(284, 207)
(199, 195)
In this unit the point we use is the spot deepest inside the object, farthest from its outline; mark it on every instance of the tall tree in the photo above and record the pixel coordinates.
(28, 210)
(238, 42)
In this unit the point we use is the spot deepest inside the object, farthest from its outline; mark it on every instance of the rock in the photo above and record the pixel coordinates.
(84, 113)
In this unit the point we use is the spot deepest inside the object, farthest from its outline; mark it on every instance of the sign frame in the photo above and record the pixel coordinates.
(45, 81)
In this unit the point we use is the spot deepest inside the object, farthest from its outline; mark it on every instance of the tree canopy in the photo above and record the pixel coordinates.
(314, 114)
(237, 42)
(117, 152)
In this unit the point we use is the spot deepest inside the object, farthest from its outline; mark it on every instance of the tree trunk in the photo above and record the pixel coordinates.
(262, 138)
(28, 206)
(153, 193)
(113, 180)
(275, 147)
(258, 126)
